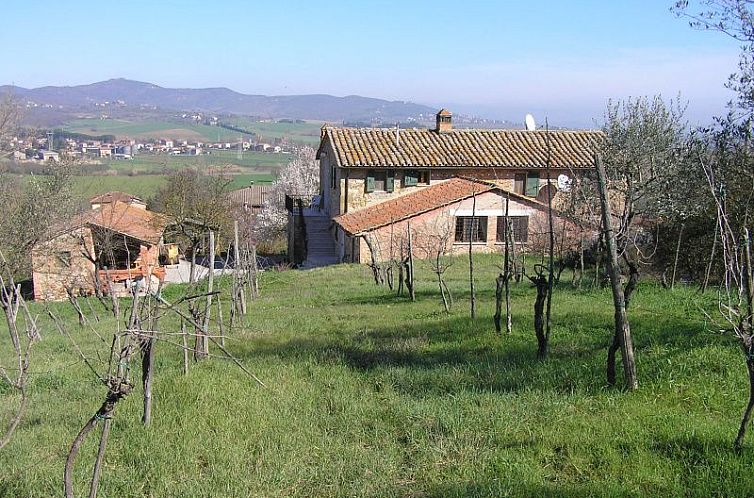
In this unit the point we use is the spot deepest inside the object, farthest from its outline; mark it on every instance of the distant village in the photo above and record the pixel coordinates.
(40, 149)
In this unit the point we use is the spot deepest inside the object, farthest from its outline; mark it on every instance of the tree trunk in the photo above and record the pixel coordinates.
(239, 293)
(471, 260)
(582, 267)
(16, 420)
(375, 266)
(499, 290)
(633, 281)
(747, 335)
(677, 253)
(709, 265)
(540, 283)
(254, 283)
(147, 375)
(220, 321)
(750, 406)
(202, 343)
(441, 284)
(100, 457)
(551, 246)
(622, 333)
(410, 282)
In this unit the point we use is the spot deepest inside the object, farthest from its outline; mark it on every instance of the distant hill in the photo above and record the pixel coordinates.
(123, 93)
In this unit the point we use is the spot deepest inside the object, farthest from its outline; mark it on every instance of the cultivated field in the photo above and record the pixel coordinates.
(249, 162)
(372, 395)
(306, 132)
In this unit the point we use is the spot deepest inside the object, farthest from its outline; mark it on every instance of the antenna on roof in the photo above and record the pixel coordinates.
(529, 123)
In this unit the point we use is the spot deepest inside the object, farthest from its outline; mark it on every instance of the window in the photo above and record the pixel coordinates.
(526, 184)
(519, 181)
(333, 177)
(380, 181)
(471, 229)
(415, 177)
(519, 225)
(64, 258)
(410, 178)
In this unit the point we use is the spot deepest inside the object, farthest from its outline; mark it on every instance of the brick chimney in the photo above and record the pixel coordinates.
(443, 121)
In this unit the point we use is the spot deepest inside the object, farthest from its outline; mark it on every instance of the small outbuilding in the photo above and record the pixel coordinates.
(111, 247)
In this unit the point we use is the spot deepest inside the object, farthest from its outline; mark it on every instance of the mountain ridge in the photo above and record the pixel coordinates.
(131, 93)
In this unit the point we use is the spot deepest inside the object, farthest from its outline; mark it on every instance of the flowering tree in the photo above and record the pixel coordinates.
(299, 178)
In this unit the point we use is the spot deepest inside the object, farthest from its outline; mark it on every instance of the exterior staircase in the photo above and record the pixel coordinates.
(320, 246)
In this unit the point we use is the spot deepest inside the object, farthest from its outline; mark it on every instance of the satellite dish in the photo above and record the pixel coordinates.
(564, 183)
(529, 123)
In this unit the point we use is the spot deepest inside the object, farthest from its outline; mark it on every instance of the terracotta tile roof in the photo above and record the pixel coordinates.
(423, 148)
(134, 222)
(416, 203)
(111, 197)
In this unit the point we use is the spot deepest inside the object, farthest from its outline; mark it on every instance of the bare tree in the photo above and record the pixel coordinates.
(10, 117)
(23, 333)
(433, 241)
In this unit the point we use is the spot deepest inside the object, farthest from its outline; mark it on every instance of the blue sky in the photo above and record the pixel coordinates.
(561, 59)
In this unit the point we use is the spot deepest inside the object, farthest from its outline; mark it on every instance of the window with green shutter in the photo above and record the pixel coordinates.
(532, 184)
(410, 178)
(390, 181)
(369, 184)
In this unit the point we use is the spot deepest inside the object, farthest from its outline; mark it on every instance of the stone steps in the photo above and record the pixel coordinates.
(321, 250)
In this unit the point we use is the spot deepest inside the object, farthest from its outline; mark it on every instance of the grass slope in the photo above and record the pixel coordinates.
(371, 395)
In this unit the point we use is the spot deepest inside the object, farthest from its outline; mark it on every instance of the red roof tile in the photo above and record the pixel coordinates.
(412, 148)
(134, 222)
(416, 203)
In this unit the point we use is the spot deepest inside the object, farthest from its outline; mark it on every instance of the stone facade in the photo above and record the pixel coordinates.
(429, 228)
(350, 193)
(59, 265)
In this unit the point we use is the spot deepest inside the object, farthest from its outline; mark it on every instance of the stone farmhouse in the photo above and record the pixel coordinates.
(379, 169)
(119, 233)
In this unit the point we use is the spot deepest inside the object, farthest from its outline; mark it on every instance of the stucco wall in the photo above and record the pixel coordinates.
(430, 230)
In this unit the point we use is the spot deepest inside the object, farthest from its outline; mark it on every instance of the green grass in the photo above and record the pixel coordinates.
(260, 162)
(141, 186)
(372, 395)
(123, 129)
(307, 133)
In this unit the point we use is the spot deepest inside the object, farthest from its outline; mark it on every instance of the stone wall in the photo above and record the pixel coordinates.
(59, 265)
(351, 191)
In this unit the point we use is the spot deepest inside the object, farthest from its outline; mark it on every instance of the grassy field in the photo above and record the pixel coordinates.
(144, 186)
(251, 162)
(372, 395)
(307, 132)
(143, 130)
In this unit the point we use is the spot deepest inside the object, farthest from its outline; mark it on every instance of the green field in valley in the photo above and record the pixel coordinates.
(304, 132)
(249, 162)
(371, 395)
(145, 186)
